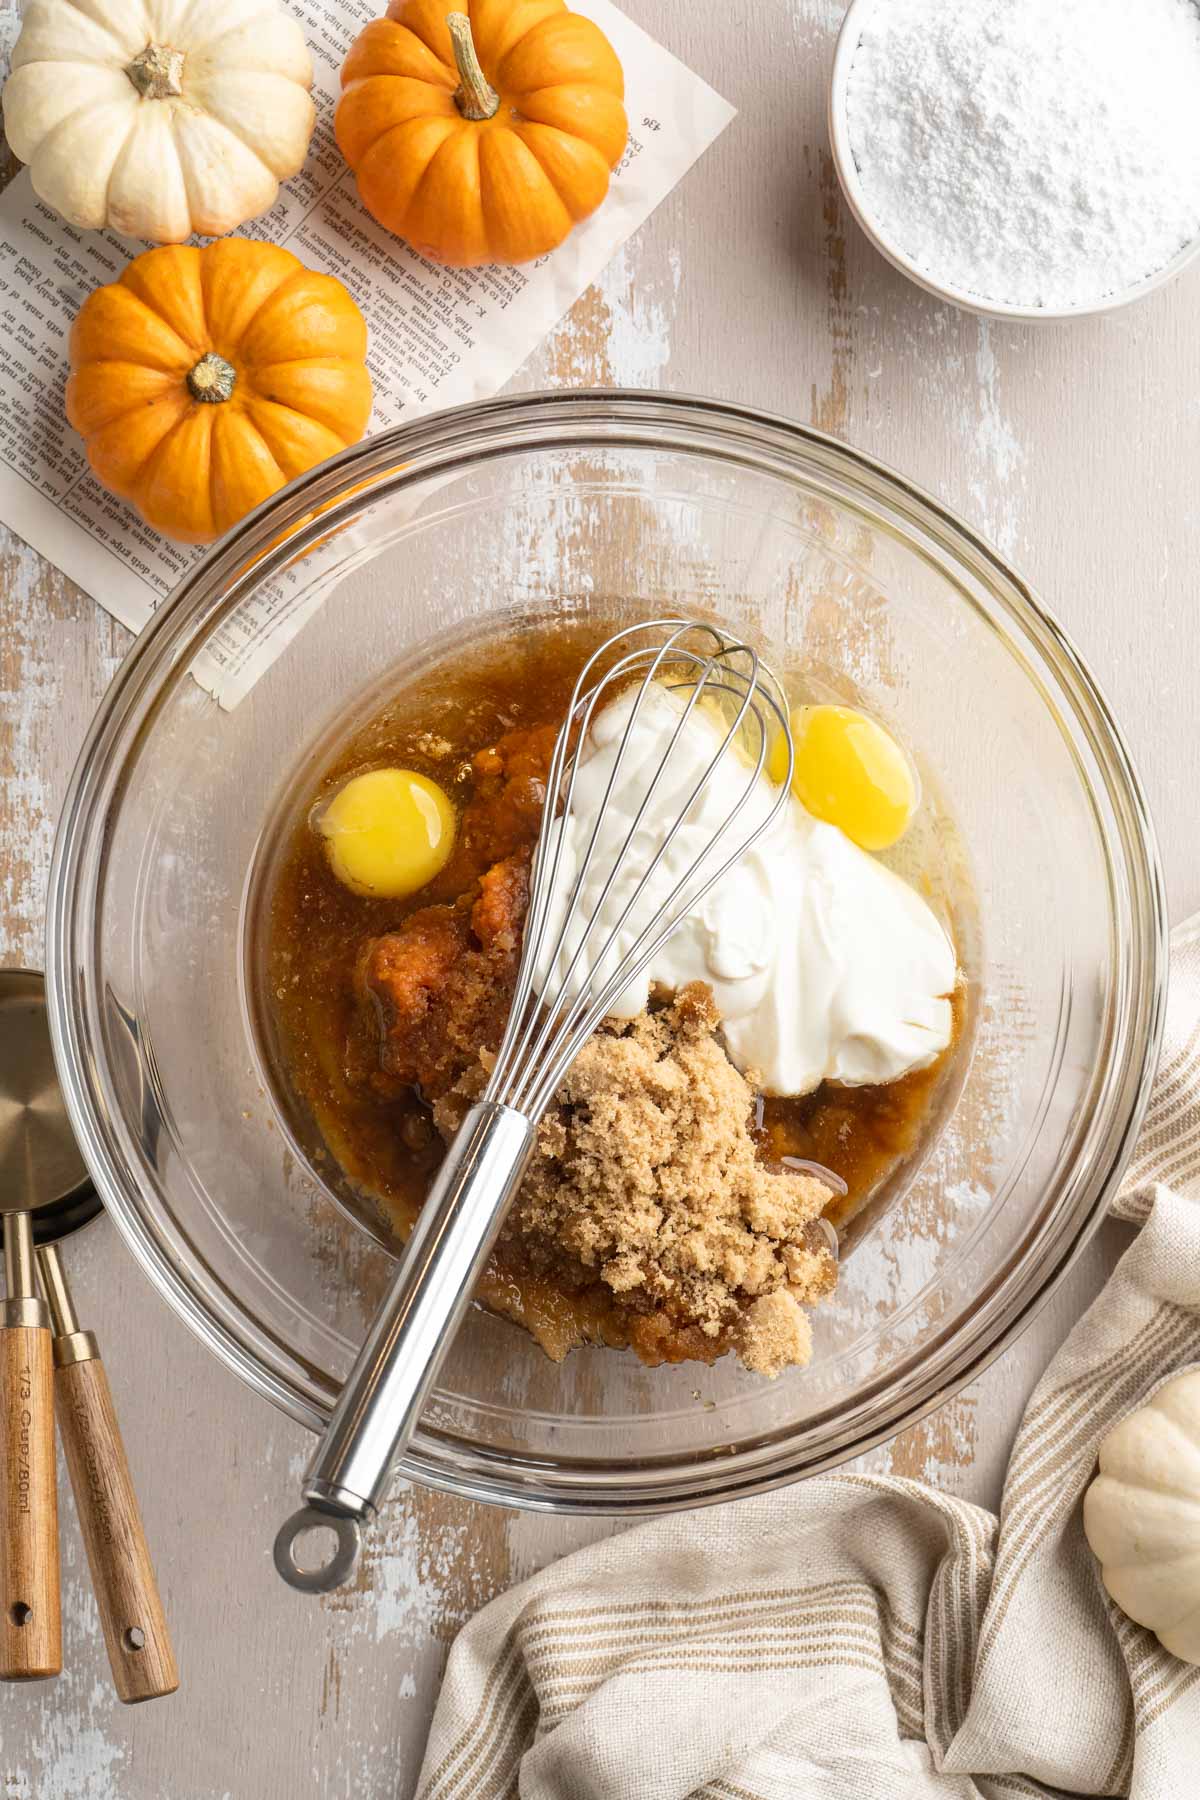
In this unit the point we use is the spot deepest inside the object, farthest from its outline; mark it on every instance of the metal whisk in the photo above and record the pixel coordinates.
(573, 969)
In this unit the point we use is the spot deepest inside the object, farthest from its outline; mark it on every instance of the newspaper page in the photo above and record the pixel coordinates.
(438, 337)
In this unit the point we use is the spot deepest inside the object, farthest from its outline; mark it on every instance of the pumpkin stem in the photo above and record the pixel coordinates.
(212, 379)
(476, 98)
(157, 72)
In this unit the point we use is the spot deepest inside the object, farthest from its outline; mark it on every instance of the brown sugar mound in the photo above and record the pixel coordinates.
(647, 1184)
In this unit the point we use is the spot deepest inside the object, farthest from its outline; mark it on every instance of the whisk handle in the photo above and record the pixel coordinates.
(377, 1411)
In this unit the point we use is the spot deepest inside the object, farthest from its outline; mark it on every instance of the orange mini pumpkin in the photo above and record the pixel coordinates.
(483, 135)
(205, 379)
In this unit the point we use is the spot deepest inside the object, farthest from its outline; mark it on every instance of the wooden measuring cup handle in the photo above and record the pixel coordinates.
(31, 1625)
(135, 1628)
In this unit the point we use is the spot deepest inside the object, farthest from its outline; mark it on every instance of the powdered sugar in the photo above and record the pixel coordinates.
(1030, 152)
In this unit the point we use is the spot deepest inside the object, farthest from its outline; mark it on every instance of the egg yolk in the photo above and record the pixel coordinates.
(388, 832)
(851, 773)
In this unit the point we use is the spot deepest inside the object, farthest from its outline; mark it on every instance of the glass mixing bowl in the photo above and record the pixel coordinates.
(576, 502)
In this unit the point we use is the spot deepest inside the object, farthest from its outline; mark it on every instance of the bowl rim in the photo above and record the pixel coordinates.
(845, 47)
(311, 508)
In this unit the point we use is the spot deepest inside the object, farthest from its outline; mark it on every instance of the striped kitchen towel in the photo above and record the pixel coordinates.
(865, 1638)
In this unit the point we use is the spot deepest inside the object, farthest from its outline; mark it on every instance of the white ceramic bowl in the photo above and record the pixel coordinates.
(856, 197)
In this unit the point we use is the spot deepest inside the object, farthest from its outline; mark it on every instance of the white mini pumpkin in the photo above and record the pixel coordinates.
(1142, 1516)
(159, 118)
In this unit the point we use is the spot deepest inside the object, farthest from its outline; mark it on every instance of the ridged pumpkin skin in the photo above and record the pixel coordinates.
(1141, 1515)
(156, 118)
(153, 354)
(505, 189)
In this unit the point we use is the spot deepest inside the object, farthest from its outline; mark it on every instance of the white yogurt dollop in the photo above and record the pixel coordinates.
(825, 965)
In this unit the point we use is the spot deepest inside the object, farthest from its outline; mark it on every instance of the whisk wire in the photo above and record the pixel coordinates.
(545, 1031)
(568, 1022)
(524, 1059)
(520, 1022)
(640, 953)
(512, 1053)
(570, 1029)
(597, 954)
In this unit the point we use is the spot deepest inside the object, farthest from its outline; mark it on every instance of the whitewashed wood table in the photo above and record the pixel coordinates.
(1074, 447)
